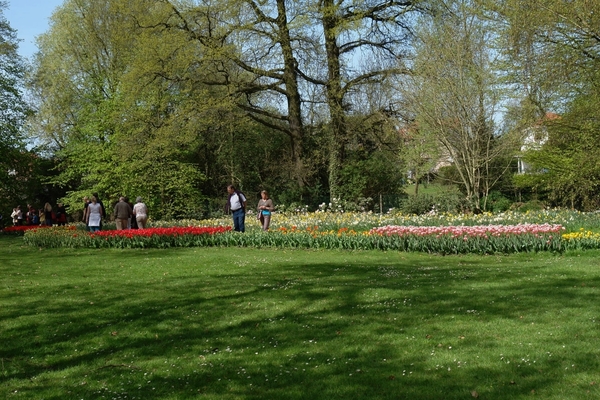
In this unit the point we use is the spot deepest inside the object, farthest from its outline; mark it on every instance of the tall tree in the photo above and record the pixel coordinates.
(15, 163)
(83, 80)
(551, 48)
(567, 166)
(252, 45)
(282, 47)
(455, 94)
(363, 43)
(552, 52)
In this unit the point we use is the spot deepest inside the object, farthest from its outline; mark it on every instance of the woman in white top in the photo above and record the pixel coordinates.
(140, 211)
(94, 215)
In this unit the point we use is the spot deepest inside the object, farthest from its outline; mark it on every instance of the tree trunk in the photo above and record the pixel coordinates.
(290, 78)
(335, 97)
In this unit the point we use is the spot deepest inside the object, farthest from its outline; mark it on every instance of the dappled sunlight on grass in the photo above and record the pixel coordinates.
(268, 323)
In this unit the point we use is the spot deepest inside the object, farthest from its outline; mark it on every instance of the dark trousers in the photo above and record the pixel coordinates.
(239, 219)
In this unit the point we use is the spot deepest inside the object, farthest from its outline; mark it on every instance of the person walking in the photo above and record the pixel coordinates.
(31, 213)
(15, 213)
(122, 213)
(42, 217)
(19, 216)
(94, 215)
(99, 201)
(84, 218)
(61, 214)
(265, 208)
(48, 214)
(140, 212)
(236, 203)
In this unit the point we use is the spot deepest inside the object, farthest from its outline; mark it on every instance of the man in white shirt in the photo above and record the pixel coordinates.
(236, 203)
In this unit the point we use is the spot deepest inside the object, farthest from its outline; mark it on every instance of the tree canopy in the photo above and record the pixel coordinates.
(16, 163)
(312, 100)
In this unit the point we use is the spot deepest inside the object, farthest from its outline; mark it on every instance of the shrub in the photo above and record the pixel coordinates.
(496, 202)
(449, 201)
(533, 205)
(418, 205)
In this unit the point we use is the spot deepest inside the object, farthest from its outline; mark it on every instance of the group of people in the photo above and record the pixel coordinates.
(135, 216)
(236, 204)
(127, 215)
(47, 215)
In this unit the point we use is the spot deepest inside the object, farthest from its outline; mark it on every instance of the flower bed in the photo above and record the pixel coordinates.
(483, 239)
(131, 238)
(21, 229)
(582, 240)
(501, 233)
(443, 240)
(570, 219)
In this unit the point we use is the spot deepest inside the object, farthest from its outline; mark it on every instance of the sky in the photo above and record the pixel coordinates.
(30, 19)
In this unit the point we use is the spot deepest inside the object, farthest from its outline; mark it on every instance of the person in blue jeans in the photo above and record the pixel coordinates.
(236, 203)
(265, 208)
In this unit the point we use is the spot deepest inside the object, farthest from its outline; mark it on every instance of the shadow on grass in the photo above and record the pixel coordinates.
(299, 325)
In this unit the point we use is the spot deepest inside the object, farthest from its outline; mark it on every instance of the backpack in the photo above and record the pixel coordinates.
(240, 195)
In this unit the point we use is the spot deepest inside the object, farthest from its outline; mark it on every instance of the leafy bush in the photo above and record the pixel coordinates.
(533, 205)
(421, 204)
(496, 202)
(449, 201)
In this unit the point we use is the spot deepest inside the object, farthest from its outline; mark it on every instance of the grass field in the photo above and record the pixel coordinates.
(430, 189)
(233, 323)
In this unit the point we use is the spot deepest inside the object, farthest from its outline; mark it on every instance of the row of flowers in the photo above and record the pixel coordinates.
(571, 219)
(466, 232)
(490, 239)
(20, 229)
(130, 238)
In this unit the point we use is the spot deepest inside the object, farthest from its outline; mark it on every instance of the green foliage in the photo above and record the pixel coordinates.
(368, 177)
(151, 98)
(124, 124)
(15, 161)
(418, 205)
(133, 105)
(448, 174)
(496, 202)
(567, 166)
(532, 205)
(450, 200)
(454, 95)
(543, 43)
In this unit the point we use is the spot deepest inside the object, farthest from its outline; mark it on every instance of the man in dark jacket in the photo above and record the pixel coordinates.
(122, 213)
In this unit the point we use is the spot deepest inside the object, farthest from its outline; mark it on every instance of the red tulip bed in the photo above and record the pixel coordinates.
(21, 229)
(130, 238)
(158, 237)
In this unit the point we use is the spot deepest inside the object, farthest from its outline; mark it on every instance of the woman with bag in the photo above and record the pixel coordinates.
(265, 208)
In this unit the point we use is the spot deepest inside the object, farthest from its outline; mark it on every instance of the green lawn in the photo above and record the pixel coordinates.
(431, 189)
(231, 323)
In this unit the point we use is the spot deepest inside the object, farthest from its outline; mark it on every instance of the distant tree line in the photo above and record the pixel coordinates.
(313, 100)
